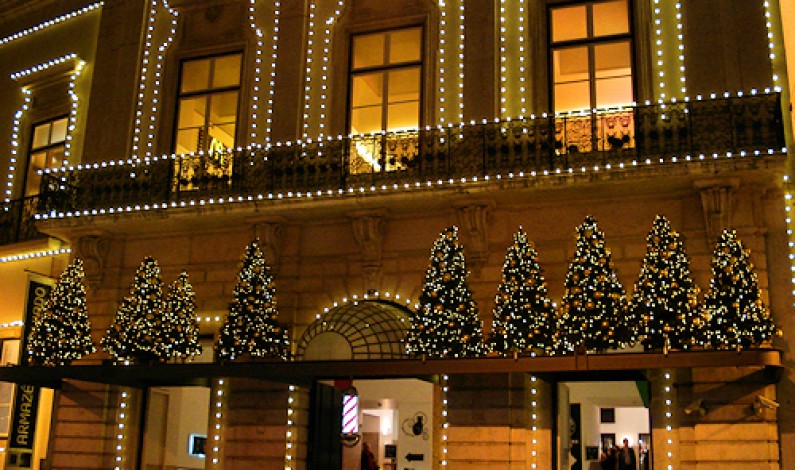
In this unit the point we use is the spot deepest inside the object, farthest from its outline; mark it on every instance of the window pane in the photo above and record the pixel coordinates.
(612, 60)
(188, 140)
(224, 135)
(570, 64)
(37, 161)
(366, 120)
(5, 412)
(223, 108)
(405, 45)
(610, 18)
(368, 90)
(403, 116)
(404, 85)
(41, 136)
(572, 96)
(569, 23)
(368, 50)
(58, 133)
(192, 112)
(614, 92)
(195, 75)
(227, 71)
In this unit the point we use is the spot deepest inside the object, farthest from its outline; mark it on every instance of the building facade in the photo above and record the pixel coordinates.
(345, 135)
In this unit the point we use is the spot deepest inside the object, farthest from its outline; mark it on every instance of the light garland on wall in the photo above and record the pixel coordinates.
(788, 219)
(216, 421)
(771, 45)
(520, 52)
(52, 22)
(290, 433)
(12, 324)
(121, 431)
(669, 410)
(15, 132)
(258, 79)
(35, 254)
(73, 111)
(442, 67)
(140, 112)
(681, 47)
(356, 298)
(534, 421)
(659, 33)
(445, 424)
(461, 38)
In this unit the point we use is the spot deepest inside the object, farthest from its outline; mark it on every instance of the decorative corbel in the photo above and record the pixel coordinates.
(474, 217)
(368, 230)
(270, 233)
(93, 250)
(716, 203)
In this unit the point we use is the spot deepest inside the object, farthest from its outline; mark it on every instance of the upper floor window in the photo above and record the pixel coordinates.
(47, 148)
(591, 49)
(209, 94)
(386, 71)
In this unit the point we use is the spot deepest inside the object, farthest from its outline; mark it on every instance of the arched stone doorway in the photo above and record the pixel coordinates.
(373, 329)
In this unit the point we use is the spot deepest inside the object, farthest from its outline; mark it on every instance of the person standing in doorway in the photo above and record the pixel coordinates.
(626, 457)
(368, 459)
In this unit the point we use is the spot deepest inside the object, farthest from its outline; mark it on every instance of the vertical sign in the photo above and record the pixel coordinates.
(26, 398)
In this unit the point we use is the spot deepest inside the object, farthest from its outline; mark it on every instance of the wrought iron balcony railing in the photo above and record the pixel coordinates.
(17, 221)
(750, 122)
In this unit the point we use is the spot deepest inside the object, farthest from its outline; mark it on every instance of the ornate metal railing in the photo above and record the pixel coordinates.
(674, 129)
(17, 222)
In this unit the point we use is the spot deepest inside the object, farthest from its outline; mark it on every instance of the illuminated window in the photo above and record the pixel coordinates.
(47, 147)
(9, 355)
(386, 71)
(591, 54)
(208, 101)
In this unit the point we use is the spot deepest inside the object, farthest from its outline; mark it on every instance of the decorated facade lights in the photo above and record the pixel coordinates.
(52, 22)
(12, 324)
(660, 10)
(789, 211)
(258, 76)
(149, 113)
(121, 431)
(290, 444)
(518, 48)
(310, 48)
(461, 38)
(44, 66)
(73, 110)
(35, 254)
(446, 16)
(445, 383)
(377, 295)
(15, 136)
(534, 421)
(771, 45)
(216, 420)
(442, 47)
(681, 48)
(668, 396)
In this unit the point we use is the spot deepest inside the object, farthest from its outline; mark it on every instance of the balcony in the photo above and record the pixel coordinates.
(701, 127)
(17, 222)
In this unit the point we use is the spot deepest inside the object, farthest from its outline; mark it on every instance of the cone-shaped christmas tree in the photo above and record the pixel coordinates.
(665, 299)
(179, 330)
(61, 332)
(251, 327)
(737, 316)
(593, 309)
(522, 311)
(135, 332)
(447, 322)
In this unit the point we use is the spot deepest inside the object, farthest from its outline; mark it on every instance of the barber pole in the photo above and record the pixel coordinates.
(350, 414)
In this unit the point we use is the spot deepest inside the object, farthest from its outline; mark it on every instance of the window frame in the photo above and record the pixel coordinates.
(207, 92)
(45, 148)
(385, 69)
(591, 43)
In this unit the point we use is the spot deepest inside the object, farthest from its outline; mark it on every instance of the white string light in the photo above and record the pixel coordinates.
(444, 423)
(48, 23)
(258, 70)
(15, 136)
(44, 66)
(216, 421)
(289, 451)
(121, 430)
(35, 254)
(771, 45)
(669, 416)
(356, 298)
(534, 421)
(149, 113)
(513, 60)
(73, 111)
(12, 324)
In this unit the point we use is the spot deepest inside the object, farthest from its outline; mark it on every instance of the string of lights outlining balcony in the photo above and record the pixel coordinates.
(258, 78)
(35, 254)
(51, 22)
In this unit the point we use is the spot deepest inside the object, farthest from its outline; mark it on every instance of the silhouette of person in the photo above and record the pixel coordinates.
(626, 457)
(368, 459)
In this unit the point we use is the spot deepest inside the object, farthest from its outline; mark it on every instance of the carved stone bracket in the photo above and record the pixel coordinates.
(93, 250)
(473, 221)
(270, 233)
(716, 203)
(368, 230)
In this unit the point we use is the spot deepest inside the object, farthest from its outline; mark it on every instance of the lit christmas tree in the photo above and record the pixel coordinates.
(447, 322)
(522, 311)
(592, 315)
(135, 334)
(251, 327)
(665, 299)
(737, 316)
(61, 332)
(178, 326)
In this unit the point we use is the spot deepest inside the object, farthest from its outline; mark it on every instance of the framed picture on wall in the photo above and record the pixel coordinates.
(607, 415)
(608, 440)
(591, 453)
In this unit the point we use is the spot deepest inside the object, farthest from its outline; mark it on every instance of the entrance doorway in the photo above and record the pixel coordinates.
(594, 417)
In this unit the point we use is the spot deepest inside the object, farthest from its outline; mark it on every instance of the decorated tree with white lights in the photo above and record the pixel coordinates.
(737, 316)
(593, 311)
(61, 333)
(665, 298)
(522, 311)
(447, 322)
(251, 326)
(136, 331)
(179, 328)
